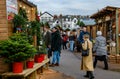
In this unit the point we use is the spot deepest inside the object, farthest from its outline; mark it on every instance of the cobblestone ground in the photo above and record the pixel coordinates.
(70, 65)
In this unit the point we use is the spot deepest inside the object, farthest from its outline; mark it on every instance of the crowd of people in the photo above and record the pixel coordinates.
(57, 40)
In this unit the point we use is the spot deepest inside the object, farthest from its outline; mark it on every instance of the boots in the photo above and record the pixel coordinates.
(89, 74)
(52, 65)
(56, 64)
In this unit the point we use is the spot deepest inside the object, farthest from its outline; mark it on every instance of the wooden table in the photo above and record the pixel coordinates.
(27, 72)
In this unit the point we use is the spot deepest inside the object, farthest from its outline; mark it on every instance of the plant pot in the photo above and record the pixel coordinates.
(30, 64)
(36, 57)
(17, 67)
(39, 60)
(42, 56)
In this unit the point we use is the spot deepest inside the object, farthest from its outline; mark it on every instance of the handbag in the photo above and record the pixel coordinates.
(85, 52)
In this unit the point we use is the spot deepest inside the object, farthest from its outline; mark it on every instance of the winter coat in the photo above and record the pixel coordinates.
(56, 41)
(47, 38)
(72, 38)
(80, 38)
(87, 61)
(100, 46)
(65, 38)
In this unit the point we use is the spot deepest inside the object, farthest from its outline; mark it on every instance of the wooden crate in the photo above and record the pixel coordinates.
(3, 66)
(114, 59)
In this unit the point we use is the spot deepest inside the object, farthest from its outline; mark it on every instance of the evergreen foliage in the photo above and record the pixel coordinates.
(16, 49)
(23, 13)
(80, 23)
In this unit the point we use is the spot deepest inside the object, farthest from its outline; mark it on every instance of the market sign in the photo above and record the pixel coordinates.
(11, 8)
(107, 18)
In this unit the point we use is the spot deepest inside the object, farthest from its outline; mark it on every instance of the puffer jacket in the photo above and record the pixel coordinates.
(100, 46)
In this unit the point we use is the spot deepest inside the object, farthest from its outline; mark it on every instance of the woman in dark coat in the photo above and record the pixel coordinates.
(47, 39)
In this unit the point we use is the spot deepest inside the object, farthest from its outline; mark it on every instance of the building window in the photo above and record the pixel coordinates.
(65, 26)
(66, 19)
(68, 26)
(49, 18)
(75, 21)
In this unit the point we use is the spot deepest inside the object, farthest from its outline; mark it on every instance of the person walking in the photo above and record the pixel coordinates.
(56, 46)
(78, 45)
(87, 61)
(47, 39)
(64, 40)
(83, 31)
(71, 41)
(100, 50)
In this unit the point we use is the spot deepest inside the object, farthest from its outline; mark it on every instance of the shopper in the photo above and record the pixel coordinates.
(64, 40)
(56, 46)
(83, 31)
(47, 39)
(71, 41)
(87, 61)
(100, 50)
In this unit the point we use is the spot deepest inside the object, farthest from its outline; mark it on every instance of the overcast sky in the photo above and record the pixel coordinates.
(78, 7)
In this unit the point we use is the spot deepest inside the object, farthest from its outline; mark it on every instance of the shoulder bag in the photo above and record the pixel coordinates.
(85, 52)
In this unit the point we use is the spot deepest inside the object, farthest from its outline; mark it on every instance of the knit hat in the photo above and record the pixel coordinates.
(99, 33)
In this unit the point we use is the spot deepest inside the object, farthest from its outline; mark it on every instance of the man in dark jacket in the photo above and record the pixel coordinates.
(82, 33)
(56, 46)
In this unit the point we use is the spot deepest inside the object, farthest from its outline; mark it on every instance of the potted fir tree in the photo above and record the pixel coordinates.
(16, 50)
(41, 53)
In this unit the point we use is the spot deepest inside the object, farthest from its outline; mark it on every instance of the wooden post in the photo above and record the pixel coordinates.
(35, 40)
(3, 20)
(117, 34)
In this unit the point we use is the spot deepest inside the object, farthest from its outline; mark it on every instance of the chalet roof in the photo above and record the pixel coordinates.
(104, 11)
(47, 13)
(71, 16)
(89, 22)
(29, 3)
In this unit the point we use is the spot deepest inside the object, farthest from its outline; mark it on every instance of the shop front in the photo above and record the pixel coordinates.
(8, 8)
(108, 21)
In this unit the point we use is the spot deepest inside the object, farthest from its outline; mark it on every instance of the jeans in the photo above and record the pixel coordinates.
(71, 45)
(64, 45)
(56, 57)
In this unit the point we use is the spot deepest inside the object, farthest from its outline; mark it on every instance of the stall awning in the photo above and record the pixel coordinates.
(105, 11)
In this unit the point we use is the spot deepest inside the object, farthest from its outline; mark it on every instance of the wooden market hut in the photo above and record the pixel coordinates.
(108, 21)
(92, 30)
(6, 26)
